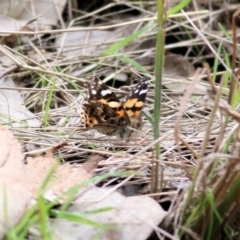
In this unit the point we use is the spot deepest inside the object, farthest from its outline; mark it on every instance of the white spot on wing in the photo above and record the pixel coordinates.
(106, 92)
(136, 91)
(94, 92)
(143, 91)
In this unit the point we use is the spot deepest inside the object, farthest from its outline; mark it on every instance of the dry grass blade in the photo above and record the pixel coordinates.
(49, 66)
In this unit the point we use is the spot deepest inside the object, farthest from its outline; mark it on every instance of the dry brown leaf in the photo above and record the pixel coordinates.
(90, 42)
(37, 169)
(69, 175)
(136, 216)
(64, 176)
(19, 183)
(177, 65)
(178, 69)
(130, 217)
(12, 181)
(27, 10)
(11, 156)
(8, 24)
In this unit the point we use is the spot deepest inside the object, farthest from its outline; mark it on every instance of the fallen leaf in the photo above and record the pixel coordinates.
(178, 73)
(82, 43)
(20, 183)
(12, 109)
(69, 175)
(8, 24)
(12, 189)
(27, 10)
(177, 65)
(127, 217)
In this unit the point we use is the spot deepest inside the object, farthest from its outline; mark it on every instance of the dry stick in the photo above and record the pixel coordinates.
(213, 112)
(209, 160)
(113, 26)
(207, 43)
(161, 193)
(34, 152)
(217, 96)
(7, 71)
(33, 90)
(222, 187)
(177, 129)
(220, 137)
(19, 62)
(39, 53)
(184, 100)
(227, 109)
(22, 64)
(193, 235)
(189, 147)
(209, 77)
(226, 180)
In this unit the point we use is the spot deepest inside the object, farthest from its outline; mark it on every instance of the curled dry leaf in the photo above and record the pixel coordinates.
(128, 218)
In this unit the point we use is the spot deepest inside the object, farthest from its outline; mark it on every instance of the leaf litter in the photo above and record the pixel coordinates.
(186, 106)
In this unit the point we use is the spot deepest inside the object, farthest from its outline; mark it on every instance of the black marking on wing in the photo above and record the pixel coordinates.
(97, 85)
(140, 91)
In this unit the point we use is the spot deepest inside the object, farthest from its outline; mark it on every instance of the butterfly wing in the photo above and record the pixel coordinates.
(100, 92)
(103, 110)
(135, 101)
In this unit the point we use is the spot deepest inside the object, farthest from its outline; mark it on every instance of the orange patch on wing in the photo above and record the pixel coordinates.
(121, 113)
(139, 104)
(103, 101)
(130, 102)
(137, 113)
(131, 113)
(114, 104)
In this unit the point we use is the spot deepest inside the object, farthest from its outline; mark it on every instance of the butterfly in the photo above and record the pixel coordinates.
(104, 112)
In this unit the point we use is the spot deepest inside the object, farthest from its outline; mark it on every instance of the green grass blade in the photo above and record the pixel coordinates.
(134, 64)
(43, 218)
(224, 31)
(216, 62)
(113, 49)
(47, 108)
(178, 7)
(158, 87)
